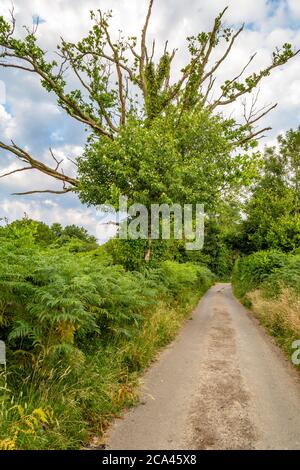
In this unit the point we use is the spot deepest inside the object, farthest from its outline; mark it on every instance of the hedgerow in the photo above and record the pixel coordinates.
(78, 330)
(269, 283)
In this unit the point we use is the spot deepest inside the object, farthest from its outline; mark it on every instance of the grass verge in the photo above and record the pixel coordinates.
(268, 282)
(67, 405)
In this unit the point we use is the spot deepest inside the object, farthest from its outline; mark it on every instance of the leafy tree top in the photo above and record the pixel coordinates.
(122, 78)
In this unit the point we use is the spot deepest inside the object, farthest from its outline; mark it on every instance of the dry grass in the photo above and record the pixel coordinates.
(280, 315)
(158, 331)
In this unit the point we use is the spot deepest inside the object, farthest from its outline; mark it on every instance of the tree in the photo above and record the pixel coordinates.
(41, 233)
(57, 229)
(290, 151)
(105, 106)
(273, 219)
(76, 238)
(73, 231)
(144, 125)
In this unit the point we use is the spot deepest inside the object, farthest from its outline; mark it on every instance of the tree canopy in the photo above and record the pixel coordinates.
(272, 212)
(151, 135)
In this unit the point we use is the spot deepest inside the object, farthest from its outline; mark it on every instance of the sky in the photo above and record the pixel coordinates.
(29, 115)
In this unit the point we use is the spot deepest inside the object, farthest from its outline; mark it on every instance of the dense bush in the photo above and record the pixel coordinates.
(288, 275)
(130, 253)
(251, 271)
(269, 282)
(180, 278)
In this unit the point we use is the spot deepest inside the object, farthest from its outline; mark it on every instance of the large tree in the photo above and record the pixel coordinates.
(122, 82)
(273, 211)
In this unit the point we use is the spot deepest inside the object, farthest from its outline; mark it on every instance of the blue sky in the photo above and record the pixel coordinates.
(31, 118)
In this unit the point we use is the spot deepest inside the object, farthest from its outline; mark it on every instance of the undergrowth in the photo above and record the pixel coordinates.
(79, 332)
(268, 282)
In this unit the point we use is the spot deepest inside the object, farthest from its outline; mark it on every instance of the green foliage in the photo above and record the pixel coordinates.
(76, 238)
(269, 283)
(286, 276)
(153, 134)
(73, 231)
(178, 159)
(42, 234)
(130, 253)
(220, 248)
(78, 328)
(268, 270)
(251, 271)
(273, 212)
(220, 256)
(180, 278)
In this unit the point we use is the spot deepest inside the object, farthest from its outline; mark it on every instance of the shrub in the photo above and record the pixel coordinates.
(78, 331)
(269, 282)
(251, 271)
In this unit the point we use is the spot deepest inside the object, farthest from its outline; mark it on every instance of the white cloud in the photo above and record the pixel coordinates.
(33, 179)
(50, 212)
(48, 202)
(294, 6)
(56, 137)
(33, 120)
(8, 124)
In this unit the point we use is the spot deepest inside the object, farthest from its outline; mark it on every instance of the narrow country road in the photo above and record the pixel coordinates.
(222, 384)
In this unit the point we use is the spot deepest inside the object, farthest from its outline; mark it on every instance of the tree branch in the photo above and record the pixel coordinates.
(224, 57)
(48, 191)
(251, 136)
(38, 165)
(68, 104)
(144, 53)
(212, 39)
(16, 66)
(209, 88)
(257, 79)
(257, 118)
(230, 82)
(16, 171)
(120, 77)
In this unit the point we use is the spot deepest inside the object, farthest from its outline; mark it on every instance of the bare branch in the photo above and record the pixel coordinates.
(144, 33)
(15, 66)
(153, 49)
(73, 161)
(220, 61)
(16, 171)
(247, 89)
(252, 111)
(58, 162)
(38, 165)
(260, 116)
(49, 191)
(251, 136)
(209, 88)
(144, 52)
(218, 101)
(12, 20)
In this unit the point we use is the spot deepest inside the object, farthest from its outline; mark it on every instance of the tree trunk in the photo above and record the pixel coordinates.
(147, 255)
